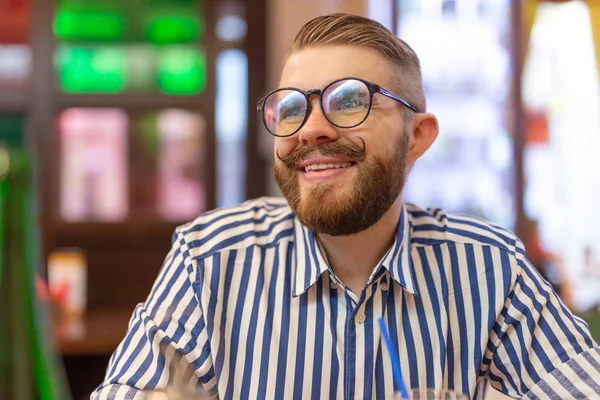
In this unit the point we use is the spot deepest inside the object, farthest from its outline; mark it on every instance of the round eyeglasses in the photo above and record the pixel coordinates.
(346, 103)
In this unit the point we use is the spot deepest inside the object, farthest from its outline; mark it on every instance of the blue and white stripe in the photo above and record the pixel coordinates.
(246, 306)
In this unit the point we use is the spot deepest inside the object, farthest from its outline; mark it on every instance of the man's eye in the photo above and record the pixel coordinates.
(291, 112)
(350, 103)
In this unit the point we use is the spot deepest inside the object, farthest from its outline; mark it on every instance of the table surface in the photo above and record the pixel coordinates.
(95, 333)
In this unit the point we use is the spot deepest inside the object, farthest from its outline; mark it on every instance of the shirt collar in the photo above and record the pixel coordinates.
(309, 262)
(397, 260)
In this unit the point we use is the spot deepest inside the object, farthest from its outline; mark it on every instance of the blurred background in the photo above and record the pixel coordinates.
(141, 114)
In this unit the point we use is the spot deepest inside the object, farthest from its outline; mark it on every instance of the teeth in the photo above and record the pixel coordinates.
(315, 167)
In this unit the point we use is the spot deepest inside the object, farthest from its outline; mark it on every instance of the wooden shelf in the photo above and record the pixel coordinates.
(130, 232)
(13, 101)
(97, 333)
(133, 100)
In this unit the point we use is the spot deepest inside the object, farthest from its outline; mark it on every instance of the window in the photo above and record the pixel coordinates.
(231, 123)
(167, 167)
(465, 62)
(231, 107)
(93, 164)
(561, 165)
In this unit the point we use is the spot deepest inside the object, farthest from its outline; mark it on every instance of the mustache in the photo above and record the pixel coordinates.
(351, 150)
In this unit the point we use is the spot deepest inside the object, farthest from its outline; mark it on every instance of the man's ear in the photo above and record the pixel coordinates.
(424, 131)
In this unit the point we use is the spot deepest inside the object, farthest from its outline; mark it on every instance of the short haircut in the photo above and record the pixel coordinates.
(354, 30)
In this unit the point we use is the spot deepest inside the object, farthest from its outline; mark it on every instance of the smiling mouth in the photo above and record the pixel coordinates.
(325, 167)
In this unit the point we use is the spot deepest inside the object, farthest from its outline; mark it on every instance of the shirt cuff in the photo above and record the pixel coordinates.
(578, 378)
(117, 392)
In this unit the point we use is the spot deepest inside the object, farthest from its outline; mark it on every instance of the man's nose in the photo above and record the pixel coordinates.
(317, 129)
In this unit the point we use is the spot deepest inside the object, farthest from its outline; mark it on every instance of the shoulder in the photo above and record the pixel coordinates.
(259, 222)
(470, 249)
(435, 226)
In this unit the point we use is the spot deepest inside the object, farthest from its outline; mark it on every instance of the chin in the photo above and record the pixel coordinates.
(325, 192)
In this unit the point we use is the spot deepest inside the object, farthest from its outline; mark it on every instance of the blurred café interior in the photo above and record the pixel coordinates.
(141, 114)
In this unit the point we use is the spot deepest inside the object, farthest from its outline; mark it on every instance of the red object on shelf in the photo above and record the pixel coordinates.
(14, 21)
(45, 294)
(538, 130)
(41, 287)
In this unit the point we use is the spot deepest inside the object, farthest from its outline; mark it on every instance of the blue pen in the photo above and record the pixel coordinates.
(396, 370)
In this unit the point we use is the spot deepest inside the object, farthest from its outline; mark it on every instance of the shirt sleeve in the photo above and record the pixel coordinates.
(166, 345)
(540, 349)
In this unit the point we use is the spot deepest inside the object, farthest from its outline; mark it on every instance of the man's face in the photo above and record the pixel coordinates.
(361, 170)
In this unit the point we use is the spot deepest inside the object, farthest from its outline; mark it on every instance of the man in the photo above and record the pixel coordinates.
(280, 299)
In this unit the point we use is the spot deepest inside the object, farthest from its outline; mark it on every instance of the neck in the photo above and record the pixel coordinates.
(354, 257)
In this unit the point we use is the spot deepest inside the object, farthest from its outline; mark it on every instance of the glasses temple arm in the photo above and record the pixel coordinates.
(398, 99)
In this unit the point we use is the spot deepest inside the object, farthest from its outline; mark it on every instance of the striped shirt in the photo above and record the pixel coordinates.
(246, 306)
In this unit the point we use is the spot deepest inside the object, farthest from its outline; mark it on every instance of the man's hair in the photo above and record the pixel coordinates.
(354, 30)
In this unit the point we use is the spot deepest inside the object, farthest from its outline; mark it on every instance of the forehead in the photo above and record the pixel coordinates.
(316, 66)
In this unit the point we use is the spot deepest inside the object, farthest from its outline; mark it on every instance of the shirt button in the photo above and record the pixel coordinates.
(333, 285)
(384, 286)
(360, 318)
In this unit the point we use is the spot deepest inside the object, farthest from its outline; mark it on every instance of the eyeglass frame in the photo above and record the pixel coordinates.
(373, 88)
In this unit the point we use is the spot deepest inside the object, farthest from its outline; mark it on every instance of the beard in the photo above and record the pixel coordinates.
(324, 210)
